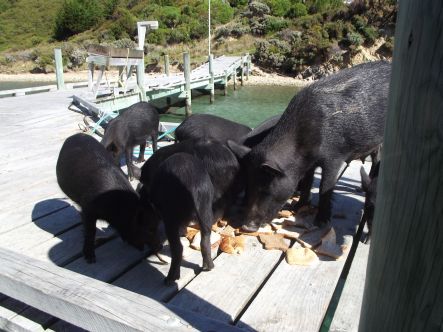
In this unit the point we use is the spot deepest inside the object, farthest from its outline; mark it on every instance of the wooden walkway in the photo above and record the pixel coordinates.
(112, 97)
(41, 265)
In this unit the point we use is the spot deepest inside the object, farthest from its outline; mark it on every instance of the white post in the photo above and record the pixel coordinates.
(59, 69)
(209, 27)
(141, 31)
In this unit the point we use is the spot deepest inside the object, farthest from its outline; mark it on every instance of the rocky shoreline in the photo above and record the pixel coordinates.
(257, 77)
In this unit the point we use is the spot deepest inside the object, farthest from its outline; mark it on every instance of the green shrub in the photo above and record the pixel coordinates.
(359, 22)
(273, 24)
(238, 3)
(273, 53)
(77, 16)
(354, 38)
(297, 10)
(179, 35)
(335, 29)
(157, 37)
(170, 16)
(239, 30)
(279, 7)
(259, 9)
(370, 34)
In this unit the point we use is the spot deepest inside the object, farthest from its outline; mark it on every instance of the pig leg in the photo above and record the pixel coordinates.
(305, 186)
(172, 232)
(128, 156)
(154, 140)
(89, 230)
(206, 219)
(329, 177)
(141, 155)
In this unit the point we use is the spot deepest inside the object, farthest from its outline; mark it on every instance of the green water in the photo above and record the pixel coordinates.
(249, 105)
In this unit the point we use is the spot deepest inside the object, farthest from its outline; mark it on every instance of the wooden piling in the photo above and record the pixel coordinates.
(248, 65)
(166, 58)
(187, 73)
(234, 77)
(225, 88)
(242, 72)
(90, 75)
(404, 280)
(59, 68)
(211, 80)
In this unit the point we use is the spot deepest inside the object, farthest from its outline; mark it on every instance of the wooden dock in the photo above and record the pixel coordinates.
(46, 283)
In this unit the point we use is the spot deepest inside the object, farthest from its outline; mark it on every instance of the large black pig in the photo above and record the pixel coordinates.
(219, 161)
(210, 126)
(88, 175)
(132, 127)
(257, 134)
(327, 124)
(181, 191)
(369, 186)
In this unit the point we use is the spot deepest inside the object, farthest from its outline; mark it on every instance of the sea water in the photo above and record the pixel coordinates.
(249, 105)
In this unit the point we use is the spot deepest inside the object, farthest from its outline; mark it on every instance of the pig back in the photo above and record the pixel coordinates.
(342, 114)
(85, 170)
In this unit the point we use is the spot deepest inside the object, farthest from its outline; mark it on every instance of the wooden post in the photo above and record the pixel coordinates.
(404, 283)
(120, 76)
(234, 77)
(225, 88)
(211, 80)
(59, 68)
(243, 69)
(166, 57)
(141, 31)
(248, 66)
(90, 76)
(187, 68)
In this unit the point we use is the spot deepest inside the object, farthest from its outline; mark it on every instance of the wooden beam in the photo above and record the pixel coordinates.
(88, 303)
(404, 283)
(187, 73)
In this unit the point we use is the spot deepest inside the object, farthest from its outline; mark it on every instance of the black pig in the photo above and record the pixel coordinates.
(182, 191)
(257, 134)
(219, 161)
(327, 124)
(88, 175)
(210, 126)
(369, 186)
(132, 127)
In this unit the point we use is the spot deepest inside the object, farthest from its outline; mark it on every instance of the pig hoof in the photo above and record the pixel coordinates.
(208, 267)
(169, 282)
(250, 228)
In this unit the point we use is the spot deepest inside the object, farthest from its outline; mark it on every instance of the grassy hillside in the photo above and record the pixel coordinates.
(294, 37)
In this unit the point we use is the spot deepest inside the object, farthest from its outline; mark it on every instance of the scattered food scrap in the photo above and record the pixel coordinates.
(300, 256)
(273, 241)
(233, 245)
(215, 240)
(330, 248)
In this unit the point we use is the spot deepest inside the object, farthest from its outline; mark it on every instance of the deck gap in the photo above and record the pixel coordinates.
(52, 212)
(333, 304)
(258, 290)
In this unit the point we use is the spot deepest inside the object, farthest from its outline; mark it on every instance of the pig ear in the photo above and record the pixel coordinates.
(272, 167)
(365, 180)
(239, 150)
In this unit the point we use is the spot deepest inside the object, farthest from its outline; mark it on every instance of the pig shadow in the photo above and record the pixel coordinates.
(142, 273)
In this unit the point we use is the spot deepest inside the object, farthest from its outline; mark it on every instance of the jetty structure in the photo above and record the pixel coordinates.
(105, 99)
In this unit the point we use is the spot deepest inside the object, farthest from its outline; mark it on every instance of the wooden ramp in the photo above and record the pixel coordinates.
(111, 97)
(46, 283)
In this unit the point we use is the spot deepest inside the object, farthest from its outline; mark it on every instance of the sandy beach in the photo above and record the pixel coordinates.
(257, 77)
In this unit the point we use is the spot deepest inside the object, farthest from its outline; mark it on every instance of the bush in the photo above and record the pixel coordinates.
(335, 29)
(77, 16)
(259, 9)
(273, 24)
(170, 16)
(272, 53)
(354, 38)
(239, 30)
(297, 10)
(370, 34)
(179, 35)
(279, 7)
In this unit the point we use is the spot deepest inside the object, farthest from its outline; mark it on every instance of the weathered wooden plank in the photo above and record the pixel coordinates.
(222, 293)
(295, 298)
(347, 314)
(147, 278)
(89, 303)
(24, 238)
